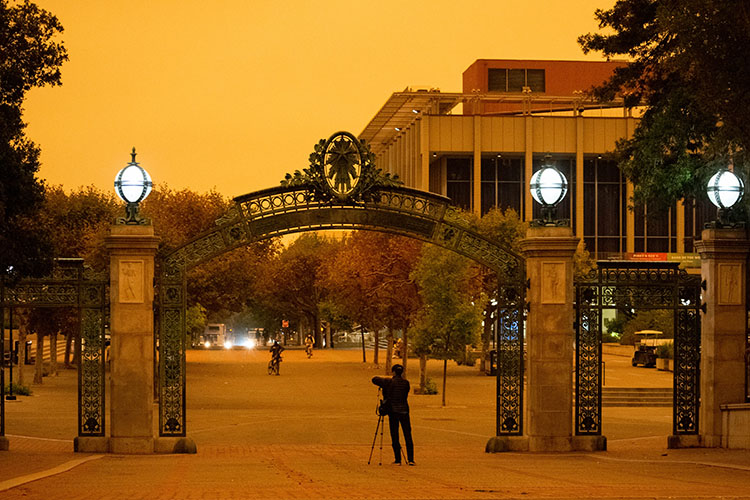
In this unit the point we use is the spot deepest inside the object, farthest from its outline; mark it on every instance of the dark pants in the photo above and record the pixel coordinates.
(394, 419)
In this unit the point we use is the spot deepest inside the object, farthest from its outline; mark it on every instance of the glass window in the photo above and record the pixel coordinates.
(516, 80)
(458, 185)
(459, 169)
(604, 206)
(535, 80)
(488, 196)
(497, 80)
(488, 169)
(608, 210)
(460, 194)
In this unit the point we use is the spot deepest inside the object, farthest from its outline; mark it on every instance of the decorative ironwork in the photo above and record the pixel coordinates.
(70, 284)
(320, 198)
(635, 285)
(510, 355)
(342, 168)
(91, 374)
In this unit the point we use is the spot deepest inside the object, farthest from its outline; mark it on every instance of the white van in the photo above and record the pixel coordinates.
(214, 336)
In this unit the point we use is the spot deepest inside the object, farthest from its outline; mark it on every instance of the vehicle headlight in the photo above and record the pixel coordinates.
(207, 344)
(249, 344)
(228, 344)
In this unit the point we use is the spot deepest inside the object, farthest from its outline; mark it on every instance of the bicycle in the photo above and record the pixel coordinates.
(273, 366)
(309, 350)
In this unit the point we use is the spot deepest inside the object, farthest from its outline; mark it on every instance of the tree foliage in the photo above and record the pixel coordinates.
(451, 315)
(290, 285)
(689, 66)
(369, 281)
(30, 57)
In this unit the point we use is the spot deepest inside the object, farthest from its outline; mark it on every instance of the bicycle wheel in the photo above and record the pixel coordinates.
(271, 368)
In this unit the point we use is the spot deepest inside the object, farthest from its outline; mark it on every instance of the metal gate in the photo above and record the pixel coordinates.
(70, 285)
(637, 286)
(310, 201)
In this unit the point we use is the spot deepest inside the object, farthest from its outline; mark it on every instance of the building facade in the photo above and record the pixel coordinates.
(481, 146)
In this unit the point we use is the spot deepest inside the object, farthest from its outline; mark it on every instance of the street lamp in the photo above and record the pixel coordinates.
(724, 190)
(548, 187)
(132, 185)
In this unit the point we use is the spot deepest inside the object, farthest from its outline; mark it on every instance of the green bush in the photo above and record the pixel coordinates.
(430, 387)
(18, 390)
(665, 351)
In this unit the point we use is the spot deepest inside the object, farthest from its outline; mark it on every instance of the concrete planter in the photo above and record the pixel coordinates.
(664, 364)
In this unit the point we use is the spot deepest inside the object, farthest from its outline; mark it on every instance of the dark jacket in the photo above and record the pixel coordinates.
(395, 391)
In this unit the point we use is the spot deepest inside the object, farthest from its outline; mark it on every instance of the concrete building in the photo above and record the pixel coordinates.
(480, 147)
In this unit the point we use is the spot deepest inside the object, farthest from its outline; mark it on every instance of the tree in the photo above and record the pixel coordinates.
(77, 223)
(452, 312)
(225, 284)
(290, 285)
(689, 67)
(31, 57)
(369, 280)
(506, 228)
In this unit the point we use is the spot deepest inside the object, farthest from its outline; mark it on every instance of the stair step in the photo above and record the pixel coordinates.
(637, 396)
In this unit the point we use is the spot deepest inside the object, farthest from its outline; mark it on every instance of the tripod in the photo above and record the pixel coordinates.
(378, 427)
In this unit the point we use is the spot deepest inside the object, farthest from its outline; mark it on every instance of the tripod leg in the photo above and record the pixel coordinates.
(381, 443)
(373, 440)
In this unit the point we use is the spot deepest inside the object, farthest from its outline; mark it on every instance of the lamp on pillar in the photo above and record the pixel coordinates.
(724, 190)
(132, 185)
(548, 187)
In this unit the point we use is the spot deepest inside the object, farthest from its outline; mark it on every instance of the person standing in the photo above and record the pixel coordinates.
(309, 343)
(396, 391)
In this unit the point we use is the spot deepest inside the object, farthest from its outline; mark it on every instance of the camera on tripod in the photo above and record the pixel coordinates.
(384, 407)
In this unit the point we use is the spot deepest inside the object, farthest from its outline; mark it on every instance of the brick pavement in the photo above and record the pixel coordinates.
(254, 446)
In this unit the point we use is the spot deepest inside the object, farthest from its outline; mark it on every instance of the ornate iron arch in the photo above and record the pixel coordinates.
(321, 199)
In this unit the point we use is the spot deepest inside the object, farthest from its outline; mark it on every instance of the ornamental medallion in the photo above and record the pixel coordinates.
(342, 163)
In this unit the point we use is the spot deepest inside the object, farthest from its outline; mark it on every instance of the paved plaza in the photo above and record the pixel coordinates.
(308, 434)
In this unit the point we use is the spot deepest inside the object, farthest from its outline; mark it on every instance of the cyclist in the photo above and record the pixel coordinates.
(275, 350)
(309, 343)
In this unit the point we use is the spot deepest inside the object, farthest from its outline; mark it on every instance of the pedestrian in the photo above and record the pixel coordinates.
(396, 391)
(397, 348)
(309, 343)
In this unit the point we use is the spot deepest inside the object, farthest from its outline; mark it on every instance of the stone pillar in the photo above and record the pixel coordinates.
(549, 255)
(132, 249)
(724, 255)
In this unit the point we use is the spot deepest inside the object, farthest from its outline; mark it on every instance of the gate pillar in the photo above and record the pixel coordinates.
(549, 255)
(724, 255)
(132, 249)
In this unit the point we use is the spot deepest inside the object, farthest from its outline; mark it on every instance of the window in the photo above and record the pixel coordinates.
(459, 172)
(604, 207)
(502, 183)
(655, 231)
(514, 80)
(697, 214)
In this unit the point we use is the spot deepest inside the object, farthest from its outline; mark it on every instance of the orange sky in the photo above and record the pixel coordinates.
(233, 94)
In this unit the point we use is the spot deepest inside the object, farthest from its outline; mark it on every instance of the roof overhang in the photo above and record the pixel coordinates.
(404, 108)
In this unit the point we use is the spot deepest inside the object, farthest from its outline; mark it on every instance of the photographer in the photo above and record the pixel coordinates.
(395, 391)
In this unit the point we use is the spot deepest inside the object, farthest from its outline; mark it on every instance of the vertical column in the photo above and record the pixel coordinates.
(680, 233)
(424, 152)
(549, 267)
(578, 212)
(723, 266)
(132, 249)
(629, 220)
(476, 182)
(528, 168)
